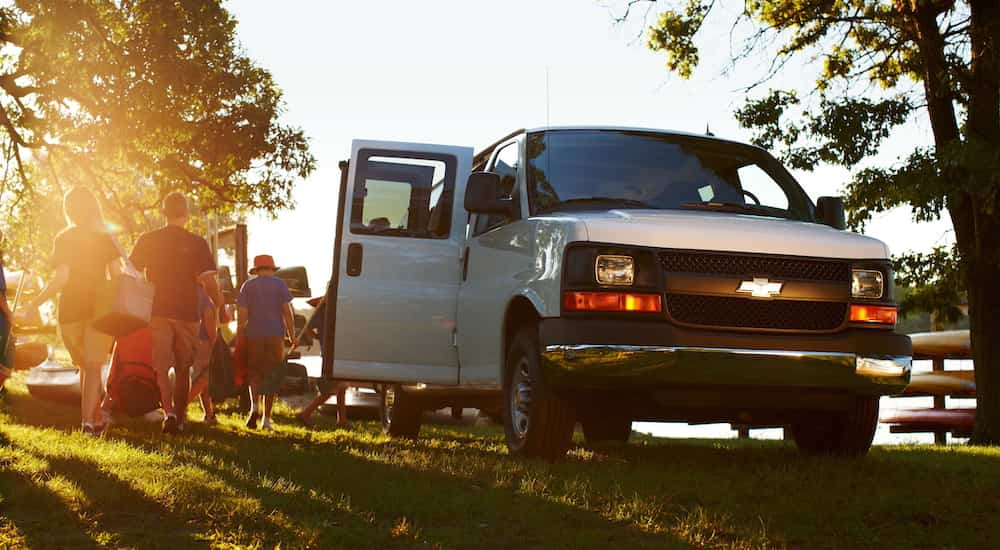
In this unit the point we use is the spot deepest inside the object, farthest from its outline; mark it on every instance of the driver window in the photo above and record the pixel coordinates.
(505, 165)
(758, 184)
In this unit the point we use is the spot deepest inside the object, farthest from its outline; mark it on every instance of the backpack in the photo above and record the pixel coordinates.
(132, 385)
(222, 378)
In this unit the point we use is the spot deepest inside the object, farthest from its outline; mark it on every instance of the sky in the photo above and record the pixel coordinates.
(469, 72)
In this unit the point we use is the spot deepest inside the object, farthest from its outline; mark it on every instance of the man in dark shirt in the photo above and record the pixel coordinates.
(176, 261)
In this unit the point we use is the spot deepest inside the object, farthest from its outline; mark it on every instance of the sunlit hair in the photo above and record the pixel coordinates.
(175, 206)
(82, 209)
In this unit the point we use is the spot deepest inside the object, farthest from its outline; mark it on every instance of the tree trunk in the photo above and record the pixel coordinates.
(976, 221)
(984, 317)
(983, 265)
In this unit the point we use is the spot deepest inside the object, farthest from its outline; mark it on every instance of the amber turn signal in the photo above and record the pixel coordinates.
(612, 301)
(882, 315)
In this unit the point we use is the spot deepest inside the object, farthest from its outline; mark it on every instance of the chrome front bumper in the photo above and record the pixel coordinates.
(626, 366)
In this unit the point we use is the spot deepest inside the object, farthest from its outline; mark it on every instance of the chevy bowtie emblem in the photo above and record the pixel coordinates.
(760, 287)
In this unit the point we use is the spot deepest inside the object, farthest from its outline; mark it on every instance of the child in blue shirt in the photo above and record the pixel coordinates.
(265, 318)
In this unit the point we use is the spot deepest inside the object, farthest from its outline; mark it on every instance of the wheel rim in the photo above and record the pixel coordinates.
(520, 399)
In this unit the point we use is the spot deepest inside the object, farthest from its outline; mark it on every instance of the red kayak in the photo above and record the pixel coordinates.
(959, 420)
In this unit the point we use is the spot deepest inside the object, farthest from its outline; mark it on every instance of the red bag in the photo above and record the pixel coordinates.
(132, 385)
(240, 365)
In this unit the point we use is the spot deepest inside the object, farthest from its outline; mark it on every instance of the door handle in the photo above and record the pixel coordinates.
(354, 256)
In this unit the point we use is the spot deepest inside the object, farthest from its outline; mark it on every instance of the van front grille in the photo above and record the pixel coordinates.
(727, 312)
(742, 265)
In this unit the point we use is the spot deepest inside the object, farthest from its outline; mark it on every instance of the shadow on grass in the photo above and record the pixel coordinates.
(330, 495)
(122, 515)
(460, 489)
(21, 500)
(40, 516)
(361, 498)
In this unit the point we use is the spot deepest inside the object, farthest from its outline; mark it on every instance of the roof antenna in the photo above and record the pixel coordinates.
(708, 131)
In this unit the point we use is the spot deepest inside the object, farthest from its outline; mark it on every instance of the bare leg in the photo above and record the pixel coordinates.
(90, 394)
(163, 358)
(310, 409)
(182, 385)
(254, 407)
(199, 387)
(268, 405)
(166, 390)
(84, 379)
(207, 405)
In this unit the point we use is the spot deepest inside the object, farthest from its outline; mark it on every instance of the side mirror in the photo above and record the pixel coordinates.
(830, 211)
(483, 195)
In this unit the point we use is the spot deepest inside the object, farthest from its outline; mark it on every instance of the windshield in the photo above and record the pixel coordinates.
(603, 169)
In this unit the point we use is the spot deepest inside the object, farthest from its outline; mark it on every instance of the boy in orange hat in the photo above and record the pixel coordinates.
(265, 317)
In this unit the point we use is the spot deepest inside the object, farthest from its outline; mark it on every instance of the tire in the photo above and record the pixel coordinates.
(609, 429)
(400, 412)
(843, 433)
(456, 413)
(538, 423)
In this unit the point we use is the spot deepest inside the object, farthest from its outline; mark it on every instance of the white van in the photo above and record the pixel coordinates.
(607, 275)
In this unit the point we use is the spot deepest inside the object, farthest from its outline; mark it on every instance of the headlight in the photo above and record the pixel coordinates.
(867, 283)
(615, 270)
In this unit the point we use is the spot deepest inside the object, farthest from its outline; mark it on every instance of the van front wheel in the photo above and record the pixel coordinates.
(538, 422)
(400, 412)
(845, 433)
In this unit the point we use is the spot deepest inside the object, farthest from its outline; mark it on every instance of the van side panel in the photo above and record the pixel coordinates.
(522, 258)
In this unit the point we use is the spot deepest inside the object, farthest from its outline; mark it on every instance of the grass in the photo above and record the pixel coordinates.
(456, 487)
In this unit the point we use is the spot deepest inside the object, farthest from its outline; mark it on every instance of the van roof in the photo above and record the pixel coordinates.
(482, 156)
(631, 129)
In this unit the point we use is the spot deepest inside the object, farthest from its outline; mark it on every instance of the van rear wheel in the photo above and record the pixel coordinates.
(538, 423)
(843, 433)
(400, 412)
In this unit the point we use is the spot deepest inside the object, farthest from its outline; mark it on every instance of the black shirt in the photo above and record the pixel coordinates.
(87, 253)
(174, 258)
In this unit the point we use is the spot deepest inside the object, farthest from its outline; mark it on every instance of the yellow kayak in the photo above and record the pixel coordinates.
(951, 344)
(957, 383)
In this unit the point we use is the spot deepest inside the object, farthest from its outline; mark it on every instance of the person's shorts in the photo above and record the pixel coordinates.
(87, 346)
(264, 355)
(174, 342)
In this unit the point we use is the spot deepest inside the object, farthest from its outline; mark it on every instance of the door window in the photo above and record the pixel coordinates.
(403, 195)
(506, 165)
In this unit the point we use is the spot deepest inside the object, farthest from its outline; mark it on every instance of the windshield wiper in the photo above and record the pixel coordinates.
(733, 207)
(614, 202)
